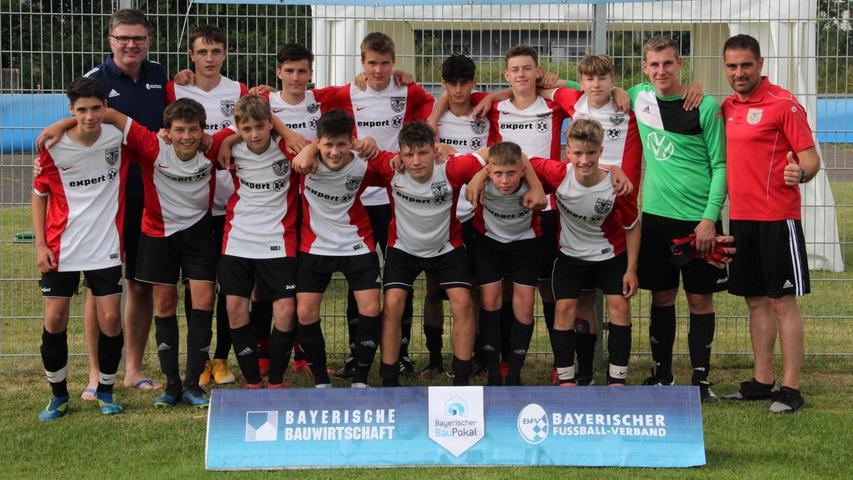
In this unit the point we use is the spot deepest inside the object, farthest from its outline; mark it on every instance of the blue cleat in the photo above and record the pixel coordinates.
(56, 408)
(108, 403)
(165, 401)
(195, 398)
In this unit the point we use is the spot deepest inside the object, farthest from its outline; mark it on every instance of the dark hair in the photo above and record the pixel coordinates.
(335, 123)
(504, 154)
(128, 16)
(208, 34)
(293, 52)
(522, 51)
(457, 68)
(417, 134)
(377, 42)
(743, 42)
(85, 87)
(185, 109)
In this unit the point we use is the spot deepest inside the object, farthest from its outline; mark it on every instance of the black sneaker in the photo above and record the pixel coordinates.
(585, 380)
(787, 400)
(432, 371)
(407, 367)
(706, 395)
(752, 389)
(478, 370)
(656, 380)
(348, 370)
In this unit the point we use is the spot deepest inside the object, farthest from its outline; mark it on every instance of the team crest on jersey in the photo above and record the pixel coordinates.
(541, 126)
(617, 118)
(439, 191)
(397, 121)
(280, 167)
(312, 124)
(112, 174)
(111, 155)
(398, 104)
(603, 205)
(227, 107)
(612, 133)
(476, 143)
(352, 183)
(279, 185)
(226, 124)
(523, 213)
(753, 116)
(312, 107)
(478, 127)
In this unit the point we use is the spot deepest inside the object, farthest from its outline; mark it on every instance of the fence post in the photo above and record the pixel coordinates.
(599, 33)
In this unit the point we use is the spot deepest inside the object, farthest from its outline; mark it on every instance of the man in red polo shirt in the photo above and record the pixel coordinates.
(770, 269)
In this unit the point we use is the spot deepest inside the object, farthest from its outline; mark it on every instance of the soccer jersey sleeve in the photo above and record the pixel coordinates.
(327, 97)
(170, 92)
(41, 184)
(566, 98)
(714, 133)
(461, 168)
(418, 104)
(632, 156)
(378, 172)
(550, 172)
(477, 97)
(573, 85)
(244, 90)
(143, 142)
(795, 126)
(626, 207)
(218, 138)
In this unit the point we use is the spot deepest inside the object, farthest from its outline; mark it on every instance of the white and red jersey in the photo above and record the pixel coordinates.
(381, 115)
(536, 129)
(219, 109)
(85, 213)
(425, 223)
(504, 218)
(466, 134)
(622, 145)
(334, 221)
(260, 220)
(592, 219)
(178, 193)
(302, 117)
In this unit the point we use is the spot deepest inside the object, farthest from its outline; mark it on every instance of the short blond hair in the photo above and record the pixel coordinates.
(596, 65)
(504, 154)
(252, 107)
(586, 130)
(660, 42)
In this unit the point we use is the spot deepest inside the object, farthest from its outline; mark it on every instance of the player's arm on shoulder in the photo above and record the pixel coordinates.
(422, 102)
(535, 198)
(305, 161)
(294, 140)
(484, 106)
(693, 96)
(379, 169)
(223, 142)
(366, 146)
(53, 132)
(438, 110)
(551, 173)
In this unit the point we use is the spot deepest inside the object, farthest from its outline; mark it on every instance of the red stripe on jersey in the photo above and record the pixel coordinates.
(229, 210)
(122, 194)
(56, 219)
(614, 232)
(170, 92)
(288, 222)
(418, 104)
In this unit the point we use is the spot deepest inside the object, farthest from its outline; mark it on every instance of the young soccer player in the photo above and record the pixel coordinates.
(599, 244)
(77, 222)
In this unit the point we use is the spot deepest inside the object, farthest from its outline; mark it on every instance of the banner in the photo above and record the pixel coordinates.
(476, 426)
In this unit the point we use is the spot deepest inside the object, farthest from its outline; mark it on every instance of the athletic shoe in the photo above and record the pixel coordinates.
(555, 379)
(195, 398)
(252, 386)
(432, 371)
(221, 373)
(300, 366)
(660, 381)
(478, 370)
(264, 366)
(407, 367)
(165, 400)
(57, 407)
(347, 370)
(204, 378)
(568, 383)
(323, 385)
(504, 368)
(359, 385)
(752, 389)
(706, 395)
(585, 380)
(787, 400)
(108, 403)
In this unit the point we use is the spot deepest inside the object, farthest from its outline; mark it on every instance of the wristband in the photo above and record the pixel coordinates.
(802, 175)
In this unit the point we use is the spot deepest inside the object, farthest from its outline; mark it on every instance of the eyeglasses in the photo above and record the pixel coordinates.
(124, 40)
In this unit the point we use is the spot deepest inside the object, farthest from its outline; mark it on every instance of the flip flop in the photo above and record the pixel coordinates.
(88, 394)
(145, 384)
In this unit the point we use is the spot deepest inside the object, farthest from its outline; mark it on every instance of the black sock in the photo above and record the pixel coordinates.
(352, 310)
(661, 338)
(54, 356)
(245, 349)
(520, 335)
(390, 375)
(281, 347)
(462, 370)
(490, 335)
(298, 353)
(699, 341)
(166, 335)
(434, 343)
(199, 334)
(369, 335)
(585, 346)
(188, 302)
(261, 315)
(406, 327)
(223, 332)
(352, 335)
(548, 309)
(564, 354)
(507, 319)
(109, 356)
(619, 351)
(314, 345)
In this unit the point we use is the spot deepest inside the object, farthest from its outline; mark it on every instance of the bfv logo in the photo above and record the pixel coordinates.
(532, 424)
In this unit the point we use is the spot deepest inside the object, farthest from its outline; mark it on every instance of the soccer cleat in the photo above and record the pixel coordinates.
(568, 383)
(57, 407)
(432, 371)
(407, 367)
(585, 380)
(108, 403)
(264, 366)
(555, 379)
(253, 386)
(359, 385)
(300, 366)
(195, 398)
(787, 400)
(204, 378)
(504, 368)
(478, 370)
(706, 395)
(752, 389)
(347, 370)
(659, 381)
(221, 373)
(165, 401)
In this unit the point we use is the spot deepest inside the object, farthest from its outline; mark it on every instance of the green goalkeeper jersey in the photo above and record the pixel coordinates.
(685, 155)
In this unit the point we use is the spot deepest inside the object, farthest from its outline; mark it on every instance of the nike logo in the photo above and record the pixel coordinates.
(64, 168)
(162, 165)
(277, 110)
(396, 185)
(358, 109)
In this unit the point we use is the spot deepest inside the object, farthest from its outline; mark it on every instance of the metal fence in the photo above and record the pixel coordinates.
(806, 43)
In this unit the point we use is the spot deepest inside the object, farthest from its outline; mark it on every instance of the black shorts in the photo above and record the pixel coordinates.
(655, 268)
(103, 282)
(451, 269)
(492, 259)
(192, 250)
(219, 232)
(771, 259)
(313, 272)
(550, 240)
(572, 275)
(132, 231)
(380, 218)
(274, 278)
